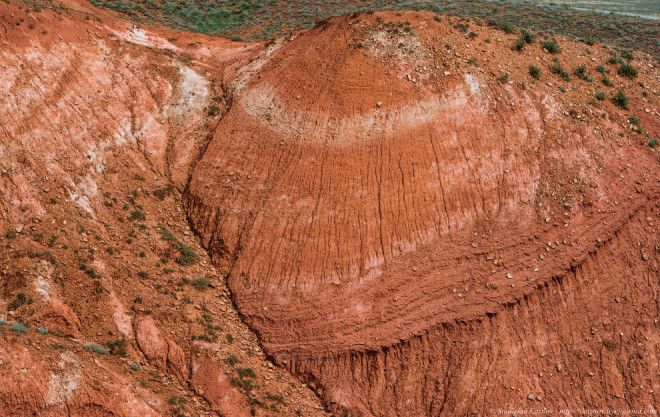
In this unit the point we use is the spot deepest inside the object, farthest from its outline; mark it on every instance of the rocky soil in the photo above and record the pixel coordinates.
(385, 215)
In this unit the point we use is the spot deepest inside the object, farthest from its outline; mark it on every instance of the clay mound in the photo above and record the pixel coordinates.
(370, 188)
(356, 182)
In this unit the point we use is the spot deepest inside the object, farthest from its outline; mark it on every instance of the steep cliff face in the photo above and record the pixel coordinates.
(416, 227)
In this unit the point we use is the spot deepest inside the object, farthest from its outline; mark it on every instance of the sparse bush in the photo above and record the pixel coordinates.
(19, 328)
(246, 373)
(535, 72)
(551, 45)
(143, 275)
(600, 95)
(230, 339)
(213, 110)
(135, 367)
(201, 283)
(17, 302)
(627, 54)
(162, 192)
(11, 234)
(633, 120)
(556, 68)
(117, 347)
(606, 81)
(138, 215)
(601, 69)
(275, 397)
(98, 288)
(503, 26)
(42, 330)
(89, 270)
(527, 36)
(232, 360)
(614, 60)
(580, 71)
(504, 78)
(187, 255)
(620, 99)
(96, 348)
(653, 143)
(519, 45)
(627, 70)
(165, 234)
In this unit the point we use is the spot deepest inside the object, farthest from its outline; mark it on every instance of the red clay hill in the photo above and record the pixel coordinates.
(415, 234)
(406, 220)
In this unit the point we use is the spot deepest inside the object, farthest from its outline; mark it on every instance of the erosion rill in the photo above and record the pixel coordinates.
(408, 221)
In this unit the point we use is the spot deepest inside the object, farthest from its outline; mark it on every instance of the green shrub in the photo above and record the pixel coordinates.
(556, 68)
(165, 234)
(503, 26)
(614, 60)
(187, 255)
(627, 70)
(653, 143)
(17, 302)
(19, 328)
(135, 367)
(519, 45)
(620, 99)
(42, 330)
(600, 95)
(535, 72)
(246, 373)
(96, 348)
(162, 192)
(138, 215)
(117, 347)
(606, 81)
(551, 46)
(527, 36)
(633, 120)
(88, 270)
(580, 71)
(601, 69)
(627, 54)
(201, 283)
(232, 360)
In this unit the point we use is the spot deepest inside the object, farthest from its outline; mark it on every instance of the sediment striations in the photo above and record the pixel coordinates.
(414, 233)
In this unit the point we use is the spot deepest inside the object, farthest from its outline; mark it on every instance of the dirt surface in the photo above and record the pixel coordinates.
(385, 215)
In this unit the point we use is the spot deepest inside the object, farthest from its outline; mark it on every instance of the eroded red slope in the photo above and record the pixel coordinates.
(417, 235)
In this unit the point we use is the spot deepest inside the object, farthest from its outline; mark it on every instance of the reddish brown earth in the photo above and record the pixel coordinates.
(370, 222)
(407, 232)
